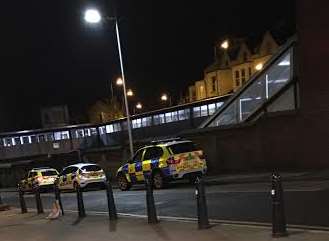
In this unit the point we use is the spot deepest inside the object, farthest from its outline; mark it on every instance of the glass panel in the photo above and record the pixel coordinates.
(174, 116)
(50, 136)
(196, 111)
(33, 139)
(146, 121)
(109, 129)
(168, 117)
(25, 139)
(41, 138)
(93, 131)
(102, 130)
(204, 110)
(219, 104)
(183, 114)
(137, 123)
(212, 108)
(17, 141)
(257, 93)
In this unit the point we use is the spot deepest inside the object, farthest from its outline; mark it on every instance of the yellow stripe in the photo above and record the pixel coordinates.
(146, 166)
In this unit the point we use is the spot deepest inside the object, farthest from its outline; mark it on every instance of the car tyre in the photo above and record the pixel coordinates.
(123, 183)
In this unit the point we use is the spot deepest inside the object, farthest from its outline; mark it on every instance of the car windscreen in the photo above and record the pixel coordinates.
(91, 168)
(49, 173)
(183, 147)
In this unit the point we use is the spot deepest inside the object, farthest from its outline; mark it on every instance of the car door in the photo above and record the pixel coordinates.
(151, 159)
(70, 177)
(135, 166)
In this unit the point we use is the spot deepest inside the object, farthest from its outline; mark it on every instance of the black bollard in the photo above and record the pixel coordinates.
(58, 198)
(38, 199)
(81, 207)
(279, 228)
(151, 211)
(202, 211)
(110, 200)
(22, 200)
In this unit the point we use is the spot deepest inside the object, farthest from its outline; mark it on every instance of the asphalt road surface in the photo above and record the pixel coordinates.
(306, 203)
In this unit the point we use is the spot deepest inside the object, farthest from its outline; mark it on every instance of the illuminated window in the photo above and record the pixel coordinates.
(243, 76)
(213, 83)
(197, 111)
(237, 78)
(212, 108)
(204, 110)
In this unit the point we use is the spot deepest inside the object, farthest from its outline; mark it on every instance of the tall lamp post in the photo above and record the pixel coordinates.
(93, 16)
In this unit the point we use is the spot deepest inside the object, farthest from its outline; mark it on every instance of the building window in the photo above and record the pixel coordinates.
(237, 78)
(196, 111)
(249, 69)
(243, 76)
(213, 83)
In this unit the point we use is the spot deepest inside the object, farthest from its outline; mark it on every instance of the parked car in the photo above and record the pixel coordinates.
(44, 177)
(165, 161)
(83, 175)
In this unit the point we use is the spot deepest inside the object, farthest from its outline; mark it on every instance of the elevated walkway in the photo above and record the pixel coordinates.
(273, 89)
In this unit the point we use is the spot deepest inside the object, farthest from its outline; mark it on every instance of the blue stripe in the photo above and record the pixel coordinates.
(154, 163)
(138, 167)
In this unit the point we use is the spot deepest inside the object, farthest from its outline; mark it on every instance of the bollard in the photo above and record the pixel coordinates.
(22, 200)
(36, 189)
(151, 211)
(278, 214)
(58, 198)
(81, 207)
(110, 201)
(203, 221)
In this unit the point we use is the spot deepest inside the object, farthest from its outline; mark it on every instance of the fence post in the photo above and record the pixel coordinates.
(151, 211)
(278, 214)
(81, 207)
(38, 201)
(110, 199)
(22, 200)
(202, 211)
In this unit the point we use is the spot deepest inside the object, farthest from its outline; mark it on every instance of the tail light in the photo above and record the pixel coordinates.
(171, 160)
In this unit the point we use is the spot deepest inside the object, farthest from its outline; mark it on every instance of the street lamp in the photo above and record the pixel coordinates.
(119, 81)
(93, 16)
(130, 93)
(225, 44)
(165, 98)
(139, 106)
(259, 66)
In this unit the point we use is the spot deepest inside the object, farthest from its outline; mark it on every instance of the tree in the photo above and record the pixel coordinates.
(105, 110)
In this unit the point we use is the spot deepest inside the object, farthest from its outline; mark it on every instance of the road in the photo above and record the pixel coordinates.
(306, 202)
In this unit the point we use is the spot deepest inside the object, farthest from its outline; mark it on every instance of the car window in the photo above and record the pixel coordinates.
(49, 173)
(153, 153)
(138, 156)
(91, 168)
(182, 147)
(66, 171)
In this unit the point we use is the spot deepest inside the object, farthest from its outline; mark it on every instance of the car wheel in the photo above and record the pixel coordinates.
(158, 180)
(124, 185)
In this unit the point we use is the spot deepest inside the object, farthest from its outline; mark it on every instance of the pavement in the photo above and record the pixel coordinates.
(15, 226)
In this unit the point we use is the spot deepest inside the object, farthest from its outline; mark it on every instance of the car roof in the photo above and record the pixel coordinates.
(79, 165)
(42, 169)
(169, 143)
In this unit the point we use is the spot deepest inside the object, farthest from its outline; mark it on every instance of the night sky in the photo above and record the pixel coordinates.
(50, 56)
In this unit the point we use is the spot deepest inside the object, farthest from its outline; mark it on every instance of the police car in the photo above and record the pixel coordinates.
(165, 160)
(83, 175)
(44, 177)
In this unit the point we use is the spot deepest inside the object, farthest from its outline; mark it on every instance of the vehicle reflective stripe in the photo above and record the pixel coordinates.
(131, 168)
(146, 166)
(139, 176)
(128, 177)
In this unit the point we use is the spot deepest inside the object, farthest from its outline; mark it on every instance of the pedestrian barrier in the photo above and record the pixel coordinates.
(151, 210)
(36, 190)
(203, 221)
(22, 200)
(279, 228)
(110, 200)
(81, 206)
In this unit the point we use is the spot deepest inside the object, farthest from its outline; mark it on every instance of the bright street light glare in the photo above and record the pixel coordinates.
(139, 106)
(225, 44)
(259, 67)
(164, 97)
(119, 81)
(130, 92)
(92, 16)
